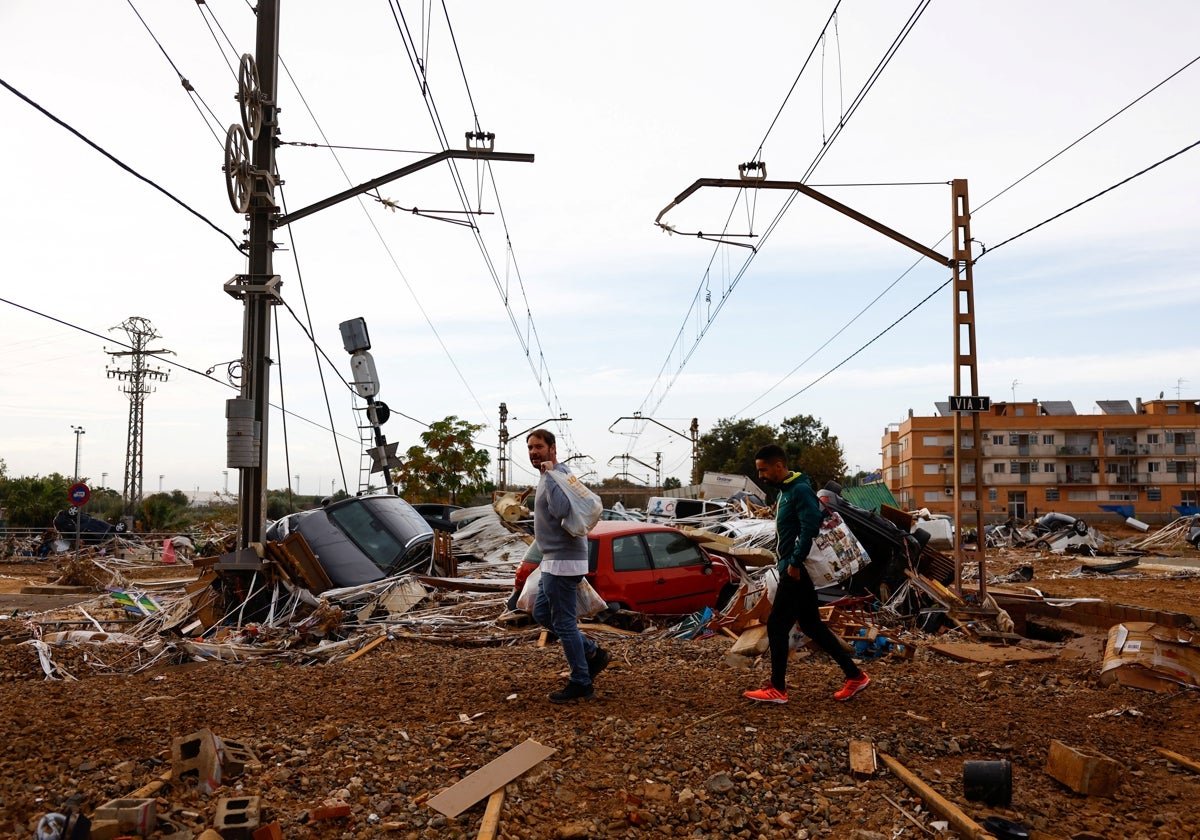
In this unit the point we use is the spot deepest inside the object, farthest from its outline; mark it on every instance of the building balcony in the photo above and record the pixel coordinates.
(1076, 449)
(998, 479)
(1076, 478)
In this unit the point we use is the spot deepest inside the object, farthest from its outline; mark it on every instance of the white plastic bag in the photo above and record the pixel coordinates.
(529, 591)
(836, 553)
(587, 600)
(585, 505)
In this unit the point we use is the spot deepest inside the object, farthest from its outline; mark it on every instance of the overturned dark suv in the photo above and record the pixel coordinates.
(362, 539)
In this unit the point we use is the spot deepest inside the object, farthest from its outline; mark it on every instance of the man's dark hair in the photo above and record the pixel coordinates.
(770, 453)
(544, 434)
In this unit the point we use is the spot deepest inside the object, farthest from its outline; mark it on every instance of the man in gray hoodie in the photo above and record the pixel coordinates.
(564, 563)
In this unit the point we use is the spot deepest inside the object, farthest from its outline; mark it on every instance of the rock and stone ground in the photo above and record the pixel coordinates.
(668, 749)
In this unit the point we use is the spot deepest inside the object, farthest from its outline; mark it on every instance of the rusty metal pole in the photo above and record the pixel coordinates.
(966, 358)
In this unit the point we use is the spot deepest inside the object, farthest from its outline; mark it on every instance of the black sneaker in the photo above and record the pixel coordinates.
(572, 691)
(597, 663)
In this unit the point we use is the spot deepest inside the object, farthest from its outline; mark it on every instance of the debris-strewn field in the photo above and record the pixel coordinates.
(669, 748)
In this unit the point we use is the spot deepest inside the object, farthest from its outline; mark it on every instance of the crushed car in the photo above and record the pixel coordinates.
(362, 539)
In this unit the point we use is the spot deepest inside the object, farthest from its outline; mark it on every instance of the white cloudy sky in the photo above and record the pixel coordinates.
(624, 109)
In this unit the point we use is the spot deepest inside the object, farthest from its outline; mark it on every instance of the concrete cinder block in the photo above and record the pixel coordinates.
(197, 758)
(131, 815)
(236, 759)
(237, 819)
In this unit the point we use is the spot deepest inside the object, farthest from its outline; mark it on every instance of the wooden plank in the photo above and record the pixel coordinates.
(989, 655)
(947, 810)
(1082, 771)
(1181, 760)
(862, 759)
(374, 643)
(491, 816)
(310, 567)
(490, 778)
(753, 641)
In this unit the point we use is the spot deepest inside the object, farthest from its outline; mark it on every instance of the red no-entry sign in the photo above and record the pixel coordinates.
(79, 494)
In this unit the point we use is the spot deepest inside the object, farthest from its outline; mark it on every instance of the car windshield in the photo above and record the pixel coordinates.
(381, 531)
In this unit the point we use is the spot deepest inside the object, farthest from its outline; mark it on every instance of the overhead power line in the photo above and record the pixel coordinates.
(686, 354)
(174, 362)
(121, 163)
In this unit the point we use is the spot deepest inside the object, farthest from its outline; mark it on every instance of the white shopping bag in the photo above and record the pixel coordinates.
(586, 506)
(836, 553)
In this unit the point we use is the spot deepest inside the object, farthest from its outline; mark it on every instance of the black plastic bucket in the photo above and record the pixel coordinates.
(988, 781)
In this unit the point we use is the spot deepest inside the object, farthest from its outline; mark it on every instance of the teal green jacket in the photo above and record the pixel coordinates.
(797, 521)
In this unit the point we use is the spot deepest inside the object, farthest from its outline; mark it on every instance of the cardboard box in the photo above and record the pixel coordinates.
(1151, 656)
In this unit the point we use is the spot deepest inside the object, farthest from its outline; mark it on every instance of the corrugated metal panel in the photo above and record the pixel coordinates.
(869, 496)
(1115, 406)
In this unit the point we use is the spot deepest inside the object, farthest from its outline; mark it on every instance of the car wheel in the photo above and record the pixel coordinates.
(1042, 543)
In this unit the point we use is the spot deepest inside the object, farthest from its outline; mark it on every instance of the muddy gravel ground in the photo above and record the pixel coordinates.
(669, 748)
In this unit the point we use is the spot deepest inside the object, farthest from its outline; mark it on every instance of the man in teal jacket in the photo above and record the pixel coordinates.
(797, 521)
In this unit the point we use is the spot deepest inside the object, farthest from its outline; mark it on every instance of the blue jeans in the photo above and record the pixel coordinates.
(555, 609)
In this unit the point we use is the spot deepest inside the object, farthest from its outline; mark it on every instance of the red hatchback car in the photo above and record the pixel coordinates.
(647, 568)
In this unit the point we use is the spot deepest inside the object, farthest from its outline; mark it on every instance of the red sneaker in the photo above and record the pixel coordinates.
(767, 694)
(852, 687)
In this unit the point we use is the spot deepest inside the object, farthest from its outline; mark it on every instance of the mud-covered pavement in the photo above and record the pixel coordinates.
(669, 748)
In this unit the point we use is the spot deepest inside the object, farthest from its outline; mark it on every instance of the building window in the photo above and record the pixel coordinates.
(930, 440)
(1153, 494)
(1153, 466)
(1051, 494)
(1152, 438)
(1047, 440)
(1187, 498)
(933, 495)
(1172, 409)
(1110, 467)
(997, 440)
(993, 494)
(1048, 467)
(1013, 439)
(1122, 496)
(933, 469)
(998, 468)
(968, 495)
(1081, 495)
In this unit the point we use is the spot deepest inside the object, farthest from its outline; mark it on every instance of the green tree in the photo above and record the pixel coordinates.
(730, 446)
(164, 511)
(732, 443)
(446, 466)
(671, 483)
(811, 448)
(32, 501)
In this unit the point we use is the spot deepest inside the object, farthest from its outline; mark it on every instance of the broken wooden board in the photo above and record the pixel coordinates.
(862, 759)
(460, 584)
(752, 641)
(1083, 771)
(1181, 760)
(312, 572)
(989, 655)
(947, 810)
(490, 778)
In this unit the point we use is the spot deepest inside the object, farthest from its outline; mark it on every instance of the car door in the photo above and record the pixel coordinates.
(624, 573)
(684, 579)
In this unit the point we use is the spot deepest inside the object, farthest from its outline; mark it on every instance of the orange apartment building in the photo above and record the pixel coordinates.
(1133, 460)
